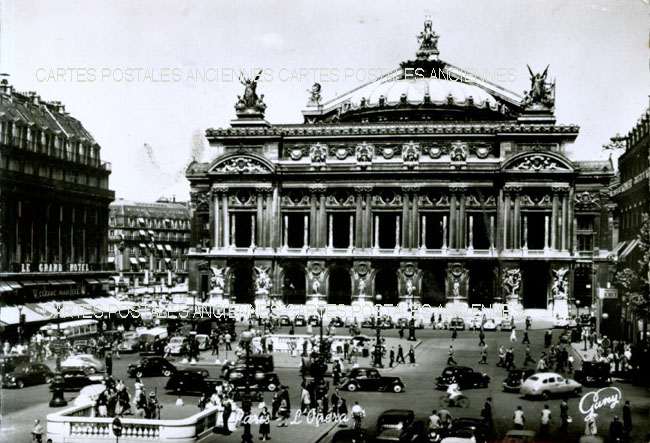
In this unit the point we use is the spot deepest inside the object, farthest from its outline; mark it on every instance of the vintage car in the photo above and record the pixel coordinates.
(151, 367)
(520, 436)
(385, 322)
(9, 362)
(258, 363)
(368, 322)
(337, 322)
(469, 427)
(188, 381)
(466, 378)
(203, 341)
(27, 374)
(369, 379)
(404, 322)
(262, 381)
(299, 320)
(593, 374)
(284, 320)
(515, 378)
(490, 325)
(75, 379)
(313, 320)
(349, 436)
(399, 425)
(129, 345)
(87, 362)
(456, 324)
(178, 345)
(547, 384)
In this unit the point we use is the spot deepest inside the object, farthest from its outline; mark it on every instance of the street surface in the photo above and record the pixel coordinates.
(19, 408)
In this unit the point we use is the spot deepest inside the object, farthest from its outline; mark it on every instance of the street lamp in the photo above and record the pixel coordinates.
(58, 384)
(412, 322)
(21, 324)
(378, 362)
(247, 437)
(321, 312)
(193, 309)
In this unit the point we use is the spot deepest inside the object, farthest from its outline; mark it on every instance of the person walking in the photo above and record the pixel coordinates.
(305, 400)
(401, 333)
(548, 338)
(564, 416)
(484, 355)
(545, 422)
(284, 413)
(615, 430)
(400, 354)
(357, 414)
(502, 357)
(108, 361)
(454, 335)
(528, 358)
(526, 340)
(391, 359)
(275, 404)
(37, 432)
(481, 338)
(518, 418)
(227, 339)
(450, 356)
(513, 335)
(225, 415)
(627, 417)
(335, 401)
(486, 413)
(265, 424)
(510, 359)
(411, 356)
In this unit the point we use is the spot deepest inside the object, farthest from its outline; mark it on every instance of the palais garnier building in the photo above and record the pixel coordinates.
(428, 185)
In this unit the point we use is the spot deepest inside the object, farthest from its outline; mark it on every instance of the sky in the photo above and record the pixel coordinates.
(147, 78)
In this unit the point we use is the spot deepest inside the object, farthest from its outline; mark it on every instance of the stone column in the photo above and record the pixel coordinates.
(253, 231)
(452, 222)
(233, 227)
(259, 233)
(305, 235)
(415, 221)
(368, 235)
(285, 232)
(517, 223)
(269, 221)
(506, 220)
(423, 236)
(525, 232)
(397, 232)
(492, 232)
(470, 232)
(405, 222)
(322, 219)
(554, 222)
(572, 241)
(214, 221)
(376, 232)
(546, 233)
(565, 222)
(444, 233)
(351, 238)
(462, 223)
(330, 231)
(226, 220)
(360, 223)
(313, 216)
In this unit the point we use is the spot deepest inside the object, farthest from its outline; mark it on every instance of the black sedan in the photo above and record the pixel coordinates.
(260, 381)
(27, 375)
(314, 320)
(152, 367)
(399, 425)
(594, 374)
(468, 427)
(369, 379)
(299, 320)
(337, 322)
(466, 378)
(75, 379)
(515, 378)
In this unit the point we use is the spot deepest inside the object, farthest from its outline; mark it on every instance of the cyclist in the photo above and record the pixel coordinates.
(454, 391)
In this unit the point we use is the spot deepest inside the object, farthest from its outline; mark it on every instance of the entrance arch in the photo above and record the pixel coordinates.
(386, 285)
(481, 284)
(294, 286)
(241, 284)
(340, 286)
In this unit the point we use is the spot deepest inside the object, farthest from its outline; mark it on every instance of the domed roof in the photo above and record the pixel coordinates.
(421, 90)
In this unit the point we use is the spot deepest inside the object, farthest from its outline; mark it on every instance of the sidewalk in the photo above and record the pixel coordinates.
(578, 350)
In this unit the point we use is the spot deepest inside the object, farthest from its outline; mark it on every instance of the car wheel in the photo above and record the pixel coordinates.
(398, 388)
(139, 374)
(20, 384)
(546, 395)
(92, 370)
(352, 387)
(167, 373)
(272, 387)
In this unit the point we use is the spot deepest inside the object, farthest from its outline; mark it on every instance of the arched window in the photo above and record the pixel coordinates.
(340, 286)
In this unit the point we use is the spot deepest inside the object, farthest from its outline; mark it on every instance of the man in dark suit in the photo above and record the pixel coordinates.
(564, 416)
(486, 413)
(392, 357)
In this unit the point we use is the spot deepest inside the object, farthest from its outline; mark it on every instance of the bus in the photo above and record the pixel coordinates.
(71, 330)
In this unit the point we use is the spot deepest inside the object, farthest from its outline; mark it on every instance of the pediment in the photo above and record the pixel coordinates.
(241, 164)
(538, 162)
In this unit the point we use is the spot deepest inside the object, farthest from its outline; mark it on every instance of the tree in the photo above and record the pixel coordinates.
(634, 283)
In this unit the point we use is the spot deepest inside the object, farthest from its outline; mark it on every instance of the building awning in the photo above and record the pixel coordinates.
(10, 315)
(160, 248)
(29, 283)
(103, 281)
(629, 248)
(4, 287)
(13, 284)
(142, 245)
(133, 261)
(142, 260)
(169, 248)
(64, 282)
(92, 281)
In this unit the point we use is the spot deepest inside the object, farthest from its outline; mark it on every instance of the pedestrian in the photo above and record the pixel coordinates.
(526, 340)
(569, 364)
(357, 414)
(548, 338)
(227, 339)
(179, 401)
(275, 404)
(336, 372)
(37, 432)
(391, 357)
(564, 416)
(590, 425)
(401, 332)
(434, 421)
(541, 364)
(225, 415)
(486, 413)
(305, 400)
(346, 349)
(215, 345)
(481, 338)
(454, 335)
(335, 402)
(502, 357)
(545, 422)
(615, 430)
(627, 417)
(510, 359)
(450, 357)
(203, 401)
(400, 354)
(513, 335)
(528, 358)
(284, 413)
(109, 364)
(484, 355)
(528, 323)
(518, 418)
(411, 356)
(265, 424)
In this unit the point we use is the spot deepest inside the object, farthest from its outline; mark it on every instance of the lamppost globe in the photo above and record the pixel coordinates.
(605, 315)
(321, 310)
(246, 337)
(378, 298)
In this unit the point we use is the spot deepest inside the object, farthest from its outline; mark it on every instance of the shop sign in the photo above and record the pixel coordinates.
(608, 397)
(608, 293)
(48, 293)
(54, 267)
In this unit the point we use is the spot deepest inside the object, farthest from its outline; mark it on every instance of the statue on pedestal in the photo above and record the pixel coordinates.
(542, 93)
(250, 103)
(410, 288)
(263, 282)
(362, 286)
(511, 283)
(218, 281)
(560, 287)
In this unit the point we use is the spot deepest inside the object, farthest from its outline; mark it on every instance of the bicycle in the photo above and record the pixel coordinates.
(461, 401)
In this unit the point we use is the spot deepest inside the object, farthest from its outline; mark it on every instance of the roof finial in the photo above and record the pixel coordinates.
(428, 40)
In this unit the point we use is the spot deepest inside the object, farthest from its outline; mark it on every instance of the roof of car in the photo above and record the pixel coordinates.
(397, 412)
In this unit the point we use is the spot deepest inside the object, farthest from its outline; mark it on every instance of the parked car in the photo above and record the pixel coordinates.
(520, 436)
(203, 340)
(285, 320)
(257, 362)
(151, 367)
(188, 381)
(337, 322)
(399, 425)
(470, 427)
(314, 320)
(457, 324)
(27, 374)
(351, 321)
(261, 381)
(368, 322)
(386, 322)
(593, 374)
(515, 378)
(369, 379)
(475, 322)
(547, 384)
(178, 345)
(87, 362)
(88, 394)
(9, 362)
(466, 378)
(349, 436)
(129, 345)
(299, 320)
(129, 335)
(490, 325)
(75, 379)
(561, 322)
(404, 322)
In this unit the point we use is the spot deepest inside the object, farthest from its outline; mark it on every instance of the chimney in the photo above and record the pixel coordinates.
(34, 97)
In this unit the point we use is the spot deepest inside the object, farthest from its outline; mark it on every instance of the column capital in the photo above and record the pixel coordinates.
(317, 189)
(363, 189)
(410, 189)
(219, 189)
(264, 189)
(560, 189)
(512, 189)
(458, 188)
